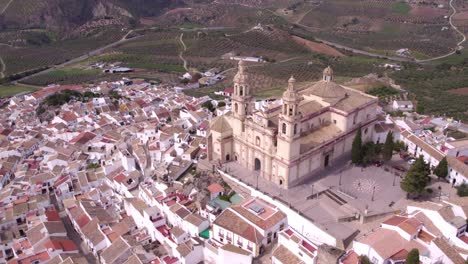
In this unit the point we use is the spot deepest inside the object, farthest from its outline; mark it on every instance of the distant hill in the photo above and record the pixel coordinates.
(64, 16)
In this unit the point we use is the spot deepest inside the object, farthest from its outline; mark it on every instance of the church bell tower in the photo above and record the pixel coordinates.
(242, 104)
(289, 122)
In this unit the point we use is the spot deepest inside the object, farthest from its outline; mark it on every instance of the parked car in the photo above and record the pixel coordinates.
(411, 161)
(377, 163)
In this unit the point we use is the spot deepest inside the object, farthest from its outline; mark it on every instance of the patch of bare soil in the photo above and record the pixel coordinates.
(460, 91)
(318, 47)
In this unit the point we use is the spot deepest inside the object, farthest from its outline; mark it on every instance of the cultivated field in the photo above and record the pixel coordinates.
(384, 25)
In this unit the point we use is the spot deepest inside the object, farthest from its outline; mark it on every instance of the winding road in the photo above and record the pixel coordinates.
(370, 54)
(184, 49)
(83, 57)
(2, 63)
(454, 28)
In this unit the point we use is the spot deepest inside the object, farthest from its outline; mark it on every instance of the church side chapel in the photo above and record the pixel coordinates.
(288, 141)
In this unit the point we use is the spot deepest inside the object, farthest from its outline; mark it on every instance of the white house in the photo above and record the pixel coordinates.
(250, 225)
(418, 147)
(294, 248)
(457, 171)
(405, 106)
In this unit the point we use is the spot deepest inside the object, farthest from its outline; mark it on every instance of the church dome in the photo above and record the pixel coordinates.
(326, 89)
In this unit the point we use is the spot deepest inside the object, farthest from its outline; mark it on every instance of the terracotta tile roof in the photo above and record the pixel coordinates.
(52, 215)
(232, 248)
(395, 220)
(388, 242)
(195, 219)
(400, 255)
(92, 232)
(410, 226)
(424, 236)
(61, 244)
(115, 250)
(449, 251)
(215, 188)
(428, 224)
(268, 219)
(283, 254)
(83, 138)
(232, 222)
(351, 258)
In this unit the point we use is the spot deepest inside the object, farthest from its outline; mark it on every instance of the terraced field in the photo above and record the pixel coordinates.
(383, 24)
(32, 57)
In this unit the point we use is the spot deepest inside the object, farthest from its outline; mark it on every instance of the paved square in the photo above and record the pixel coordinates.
(334, 196)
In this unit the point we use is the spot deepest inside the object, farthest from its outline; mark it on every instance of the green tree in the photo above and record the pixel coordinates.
(363, 259)
(420, 109)
(462, 190)
(387, 150)
(208, 105)
(357, 150)
(442, 168)
(413, 257)
(417, 178)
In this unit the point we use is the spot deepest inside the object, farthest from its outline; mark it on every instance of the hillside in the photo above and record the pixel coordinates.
(63, 16)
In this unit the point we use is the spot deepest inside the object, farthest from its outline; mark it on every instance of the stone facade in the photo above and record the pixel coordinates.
(287, 141)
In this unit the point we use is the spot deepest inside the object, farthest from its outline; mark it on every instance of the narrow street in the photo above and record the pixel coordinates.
(72, 234)
(75, 237)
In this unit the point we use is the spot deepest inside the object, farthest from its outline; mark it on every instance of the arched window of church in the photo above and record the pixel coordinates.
(257, 141)
(285, 109)
(236, 108)
(295, 129)
(236, 89)
(291, 110)
(354, 119)
(241, 91)
(283, 129)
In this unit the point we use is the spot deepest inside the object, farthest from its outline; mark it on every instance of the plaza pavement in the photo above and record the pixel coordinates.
(335, 196)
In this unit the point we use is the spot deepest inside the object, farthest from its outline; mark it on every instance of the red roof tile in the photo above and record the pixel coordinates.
(52, 215)
(120, 178)
(215, 188)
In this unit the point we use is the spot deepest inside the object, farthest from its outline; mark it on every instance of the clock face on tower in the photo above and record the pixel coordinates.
(258, 119)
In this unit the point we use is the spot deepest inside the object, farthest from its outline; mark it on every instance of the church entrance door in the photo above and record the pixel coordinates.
(257, 164)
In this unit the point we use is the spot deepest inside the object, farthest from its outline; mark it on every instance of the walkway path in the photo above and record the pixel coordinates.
(5, 7)
(181, 54)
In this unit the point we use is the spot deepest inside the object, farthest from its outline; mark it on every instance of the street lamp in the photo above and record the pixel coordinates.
(257, 182)
(373, 191)
(341, 172)
(440, 192)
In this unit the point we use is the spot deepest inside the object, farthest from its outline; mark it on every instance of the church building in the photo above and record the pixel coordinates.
(288, 141)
